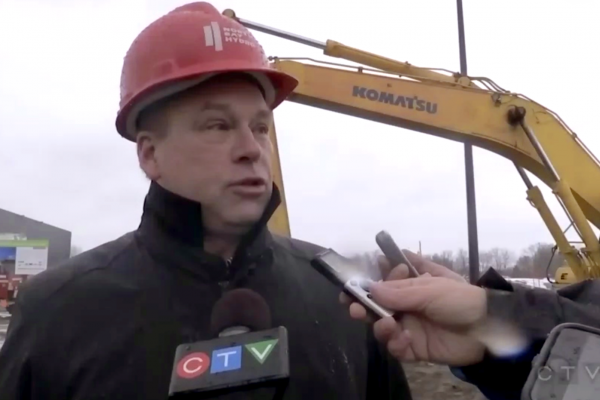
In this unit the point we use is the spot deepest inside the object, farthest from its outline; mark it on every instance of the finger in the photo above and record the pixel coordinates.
(384, 329)
(399, 345)
(412, 298)
(399, 272)
(416, 260)
(384, 266)
(345, 299)
(357, 311)
(422, 280)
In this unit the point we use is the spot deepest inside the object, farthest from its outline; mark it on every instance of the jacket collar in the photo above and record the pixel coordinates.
(171, 220)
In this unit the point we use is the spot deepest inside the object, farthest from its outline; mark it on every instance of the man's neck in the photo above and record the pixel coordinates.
(221, 245)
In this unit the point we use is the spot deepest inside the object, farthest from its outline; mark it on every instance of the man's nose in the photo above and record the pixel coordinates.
(246, 147)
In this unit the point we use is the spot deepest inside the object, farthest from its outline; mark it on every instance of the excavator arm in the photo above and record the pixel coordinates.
(465, 109)
(482, 117)
(463, 114)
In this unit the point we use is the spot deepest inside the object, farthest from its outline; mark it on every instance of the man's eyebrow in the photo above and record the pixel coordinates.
(264, 114)
(209, 106)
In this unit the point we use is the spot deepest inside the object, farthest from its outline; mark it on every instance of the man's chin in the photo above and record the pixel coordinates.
(245, 216)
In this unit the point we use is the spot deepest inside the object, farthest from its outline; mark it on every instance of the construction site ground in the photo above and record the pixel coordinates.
(435, 382)
(427, 381)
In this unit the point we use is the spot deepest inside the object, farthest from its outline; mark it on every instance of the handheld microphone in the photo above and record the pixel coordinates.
(240, 311)
(246, 353)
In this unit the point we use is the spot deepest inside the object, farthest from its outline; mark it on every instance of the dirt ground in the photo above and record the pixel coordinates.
(434, 382)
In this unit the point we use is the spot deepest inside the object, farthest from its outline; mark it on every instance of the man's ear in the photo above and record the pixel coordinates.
(146, 151)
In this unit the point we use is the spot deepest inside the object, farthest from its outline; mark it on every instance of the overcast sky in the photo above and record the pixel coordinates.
(63, 163)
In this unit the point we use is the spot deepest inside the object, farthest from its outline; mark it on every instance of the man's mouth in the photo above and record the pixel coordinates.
(250, 186)
(252, 182)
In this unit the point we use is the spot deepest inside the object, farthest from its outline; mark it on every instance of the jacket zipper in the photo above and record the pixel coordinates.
(225, 284)
(228, 267)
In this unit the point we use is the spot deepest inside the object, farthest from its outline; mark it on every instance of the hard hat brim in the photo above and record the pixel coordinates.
(276, 86)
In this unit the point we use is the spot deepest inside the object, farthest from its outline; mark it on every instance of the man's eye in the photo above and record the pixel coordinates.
(262, 129)
(218, 126)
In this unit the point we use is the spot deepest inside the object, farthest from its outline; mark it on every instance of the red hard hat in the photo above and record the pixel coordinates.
(187, 46)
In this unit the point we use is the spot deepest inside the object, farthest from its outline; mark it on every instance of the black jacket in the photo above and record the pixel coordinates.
(106, 324)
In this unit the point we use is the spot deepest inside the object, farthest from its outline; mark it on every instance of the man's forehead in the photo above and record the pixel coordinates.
(214, 105)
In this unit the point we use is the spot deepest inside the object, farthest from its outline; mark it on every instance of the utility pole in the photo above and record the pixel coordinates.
(469, 173)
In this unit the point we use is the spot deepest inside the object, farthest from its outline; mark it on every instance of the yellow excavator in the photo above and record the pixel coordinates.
(461, 108)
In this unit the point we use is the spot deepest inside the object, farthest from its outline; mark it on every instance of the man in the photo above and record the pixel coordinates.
(491, 331)
(105, 325)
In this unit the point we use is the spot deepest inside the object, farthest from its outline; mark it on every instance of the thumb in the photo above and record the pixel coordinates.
(399, 272)
(416, 260)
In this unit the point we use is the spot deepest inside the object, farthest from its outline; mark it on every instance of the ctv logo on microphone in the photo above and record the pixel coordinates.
(254, 358)
(225, 359)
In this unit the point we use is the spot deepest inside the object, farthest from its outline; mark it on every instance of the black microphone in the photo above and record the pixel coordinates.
(240, 311)
(246, 354)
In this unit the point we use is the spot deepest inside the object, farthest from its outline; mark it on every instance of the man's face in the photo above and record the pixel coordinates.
(216, 150)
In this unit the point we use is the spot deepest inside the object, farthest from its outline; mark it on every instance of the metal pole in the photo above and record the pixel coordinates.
(276, 32)
(469, 173)
(283, 34)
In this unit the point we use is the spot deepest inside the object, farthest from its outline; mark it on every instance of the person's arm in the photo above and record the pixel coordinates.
(536, 312)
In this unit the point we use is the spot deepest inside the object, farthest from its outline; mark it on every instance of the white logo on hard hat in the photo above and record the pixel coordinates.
(213, 38)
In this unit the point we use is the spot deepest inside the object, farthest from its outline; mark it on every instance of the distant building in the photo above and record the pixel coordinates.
(59, 247)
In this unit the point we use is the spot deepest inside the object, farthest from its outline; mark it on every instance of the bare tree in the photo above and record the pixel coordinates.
(500, 258)
(444, 258)
(544, 258)
(523, 267)
(485, 260)
(461, 261)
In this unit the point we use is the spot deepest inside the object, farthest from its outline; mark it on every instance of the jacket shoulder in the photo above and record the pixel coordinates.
(297, 248)
(39, 288)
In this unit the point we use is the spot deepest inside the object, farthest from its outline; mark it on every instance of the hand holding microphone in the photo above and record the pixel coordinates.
(246, 353)
(437, 320)
(396, 264)
(435, 311)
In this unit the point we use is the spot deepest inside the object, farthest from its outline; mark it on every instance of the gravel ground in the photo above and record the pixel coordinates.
(435, 382)
(427, 381)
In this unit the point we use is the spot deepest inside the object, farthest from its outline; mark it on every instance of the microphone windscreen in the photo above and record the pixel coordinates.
(240, 307)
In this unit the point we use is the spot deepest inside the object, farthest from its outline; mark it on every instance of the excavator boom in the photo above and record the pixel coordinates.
(460, 108)
(463, 114)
